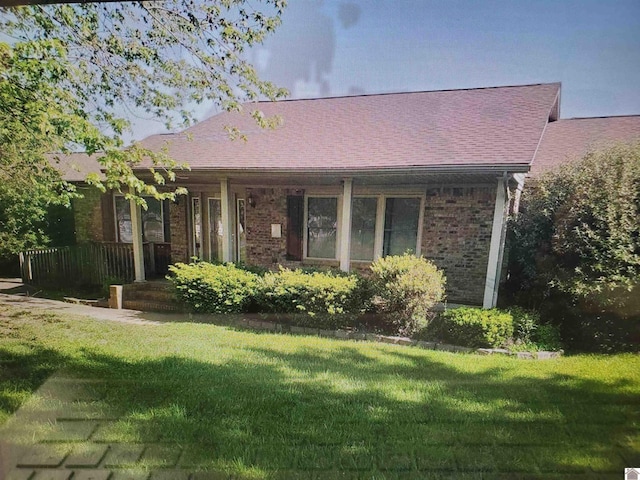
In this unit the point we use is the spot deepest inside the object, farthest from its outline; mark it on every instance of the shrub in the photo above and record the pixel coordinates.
(209, 288)
(296, 291)
(473, 327)
(405, 288)
(576, 245)
(529, 333)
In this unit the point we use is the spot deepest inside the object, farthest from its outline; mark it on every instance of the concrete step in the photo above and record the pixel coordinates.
(150, 295)
(150, 306)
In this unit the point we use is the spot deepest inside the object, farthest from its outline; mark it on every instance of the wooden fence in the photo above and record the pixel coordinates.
(91, 264)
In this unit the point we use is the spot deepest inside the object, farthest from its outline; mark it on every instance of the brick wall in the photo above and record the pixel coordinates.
(457, 236)
(179, 233)
(87, 216)
(270, 207)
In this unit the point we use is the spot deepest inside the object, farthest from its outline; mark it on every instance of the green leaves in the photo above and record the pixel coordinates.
(579, 231)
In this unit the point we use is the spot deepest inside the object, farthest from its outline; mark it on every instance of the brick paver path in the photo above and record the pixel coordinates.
(58, 435)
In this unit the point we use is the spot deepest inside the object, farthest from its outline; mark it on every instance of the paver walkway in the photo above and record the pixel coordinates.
(62, 433)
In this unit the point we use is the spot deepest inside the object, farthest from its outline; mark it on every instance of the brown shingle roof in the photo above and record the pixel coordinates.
(74, 167)
(569, 139)
(475, 127)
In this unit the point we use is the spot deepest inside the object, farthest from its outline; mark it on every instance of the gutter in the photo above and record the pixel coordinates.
(371, 171)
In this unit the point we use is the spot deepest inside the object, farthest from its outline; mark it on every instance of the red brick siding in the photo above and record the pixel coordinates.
(270, 208)
(457, 236)
(88, 218)
(179, 232)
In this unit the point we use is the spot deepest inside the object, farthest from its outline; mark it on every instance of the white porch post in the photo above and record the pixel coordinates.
(345, 225)
(227, 223)
(136, 231)
(496, 249)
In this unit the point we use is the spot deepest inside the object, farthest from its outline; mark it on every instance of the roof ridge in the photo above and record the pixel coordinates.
(338, 97)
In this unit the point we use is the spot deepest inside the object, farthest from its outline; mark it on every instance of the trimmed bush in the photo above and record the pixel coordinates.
(473, 327)
(296, 291)
(209, 288)
(405, 288)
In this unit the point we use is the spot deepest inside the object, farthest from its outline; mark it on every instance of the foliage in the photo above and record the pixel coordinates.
(579, 230)
(209, 288)
(405, 288)
(473, 327)
(575, 247)
(297, 291)
(36, 116)
(76, 74)
(529, 333)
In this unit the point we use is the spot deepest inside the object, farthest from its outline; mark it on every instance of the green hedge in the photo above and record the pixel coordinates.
(209, 288)
(473, 327)
(297, 291)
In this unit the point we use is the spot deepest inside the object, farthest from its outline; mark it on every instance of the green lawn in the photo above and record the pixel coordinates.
(280, 406)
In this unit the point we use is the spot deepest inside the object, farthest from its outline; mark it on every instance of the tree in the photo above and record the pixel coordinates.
(577, 241)
(74, 75)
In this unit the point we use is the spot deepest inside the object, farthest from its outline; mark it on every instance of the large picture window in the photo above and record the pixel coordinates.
(152, 220)
(322, 223)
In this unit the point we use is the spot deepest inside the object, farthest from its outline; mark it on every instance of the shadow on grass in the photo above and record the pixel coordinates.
(400, 414)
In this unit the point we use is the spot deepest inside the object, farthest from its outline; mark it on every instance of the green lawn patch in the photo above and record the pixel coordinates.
(282, 406)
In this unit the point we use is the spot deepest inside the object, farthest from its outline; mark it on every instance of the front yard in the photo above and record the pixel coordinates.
(277, 406)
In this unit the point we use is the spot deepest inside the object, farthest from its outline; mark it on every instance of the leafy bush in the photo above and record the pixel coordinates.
(405, 288)
(473, 327)
(529, 333)
(209, 288)
(576, 245)
(296, 291)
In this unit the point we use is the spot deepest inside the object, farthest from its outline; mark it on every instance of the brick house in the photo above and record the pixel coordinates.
(346, 180)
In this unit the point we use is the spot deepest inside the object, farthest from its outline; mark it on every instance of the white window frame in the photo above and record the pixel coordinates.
(375, 228)
(115, 217)
(305, 233)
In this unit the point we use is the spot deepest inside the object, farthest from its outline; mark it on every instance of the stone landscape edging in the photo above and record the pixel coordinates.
(394, 340)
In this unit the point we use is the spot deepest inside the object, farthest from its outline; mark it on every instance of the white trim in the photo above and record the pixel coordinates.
(345, 225)
(208, 231)
(227, 223)
(136, 233)
(495, 249)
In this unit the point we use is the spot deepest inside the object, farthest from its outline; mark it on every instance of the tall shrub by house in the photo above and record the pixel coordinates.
(575, 249)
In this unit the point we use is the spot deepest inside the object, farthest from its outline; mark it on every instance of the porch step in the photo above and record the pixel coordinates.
(150, 306)
(150, 297)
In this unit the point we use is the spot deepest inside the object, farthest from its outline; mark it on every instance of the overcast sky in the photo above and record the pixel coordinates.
(346, 47)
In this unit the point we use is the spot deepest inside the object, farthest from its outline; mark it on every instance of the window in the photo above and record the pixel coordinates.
(322, 226)
(152, 220)
(401, 220)
(363, 227)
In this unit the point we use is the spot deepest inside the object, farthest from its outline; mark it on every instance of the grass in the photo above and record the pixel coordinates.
(279, 406)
